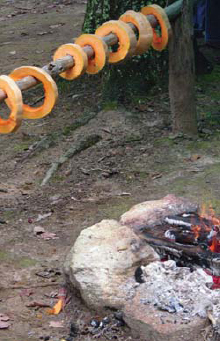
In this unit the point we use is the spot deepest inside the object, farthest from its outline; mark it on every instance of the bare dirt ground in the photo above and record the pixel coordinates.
(136, 159)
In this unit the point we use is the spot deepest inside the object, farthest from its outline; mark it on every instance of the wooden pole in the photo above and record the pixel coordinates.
(182, 73)
(56, 67)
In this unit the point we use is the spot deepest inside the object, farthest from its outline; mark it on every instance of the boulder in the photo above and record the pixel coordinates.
(102, 263)
(152, 213)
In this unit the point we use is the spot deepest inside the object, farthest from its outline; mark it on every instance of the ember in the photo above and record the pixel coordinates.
(191, 239)
(194, 229)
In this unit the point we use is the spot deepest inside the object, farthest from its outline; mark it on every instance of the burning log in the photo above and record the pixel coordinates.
(189, 239)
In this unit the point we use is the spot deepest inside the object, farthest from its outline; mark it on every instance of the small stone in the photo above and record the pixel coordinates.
(69, 338)
(106, 320)
(73, 330)
(94, 323)
(120, 323)
(118, 315)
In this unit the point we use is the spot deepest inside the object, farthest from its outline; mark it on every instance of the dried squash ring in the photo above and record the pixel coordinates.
(100, 48)
(159, 43)
(80, 59)
(144, 28)
(126, 38)
(14, 102)
(50, 90)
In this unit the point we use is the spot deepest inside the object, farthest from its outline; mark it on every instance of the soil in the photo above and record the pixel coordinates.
(137, 159)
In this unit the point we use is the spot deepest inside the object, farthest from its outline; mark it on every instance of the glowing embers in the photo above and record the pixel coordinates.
(194, 229)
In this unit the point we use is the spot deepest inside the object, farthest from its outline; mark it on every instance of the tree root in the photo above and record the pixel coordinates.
(76, 149)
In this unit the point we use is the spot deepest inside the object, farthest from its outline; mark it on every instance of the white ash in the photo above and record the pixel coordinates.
(177, 290)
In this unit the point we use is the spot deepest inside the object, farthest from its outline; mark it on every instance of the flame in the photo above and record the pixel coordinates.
(196, 230)
(210, 215)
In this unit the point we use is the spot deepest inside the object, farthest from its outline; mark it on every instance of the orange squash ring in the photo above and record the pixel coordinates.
(144, 28)
(126, 37)
(80, 59)
(159, 43)
(14, 102)
(100, 48)
(50, 89)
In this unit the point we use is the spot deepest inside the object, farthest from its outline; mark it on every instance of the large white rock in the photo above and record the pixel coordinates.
(102, 263)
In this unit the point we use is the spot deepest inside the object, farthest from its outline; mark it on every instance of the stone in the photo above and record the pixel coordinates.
(152, 213)
(150, 324)
(102, 263)
(172, 304)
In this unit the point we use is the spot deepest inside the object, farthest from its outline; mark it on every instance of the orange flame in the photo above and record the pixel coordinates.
(209, 214)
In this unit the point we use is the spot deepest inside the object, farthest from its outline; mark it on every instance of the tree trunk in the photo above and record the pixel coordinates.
(182, 73)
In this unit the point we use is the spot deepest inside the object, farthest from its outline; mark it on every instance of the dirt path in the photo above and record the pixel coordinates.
(135, 160)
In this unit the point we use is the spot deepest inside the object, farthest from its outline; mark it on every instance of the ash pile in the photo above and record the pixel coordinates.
(179, 291)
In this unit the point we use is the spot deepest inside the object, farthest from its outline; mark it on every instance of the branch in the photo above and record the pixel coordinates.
(79, 147)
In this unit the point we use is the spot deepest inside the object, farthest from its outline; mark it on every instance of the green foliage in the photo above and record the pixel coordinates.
(125, 81)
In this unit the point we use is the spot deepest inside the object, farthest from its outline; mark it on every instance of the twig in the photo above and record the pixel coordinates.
(82, 145)
(38, 100)
(40, 285)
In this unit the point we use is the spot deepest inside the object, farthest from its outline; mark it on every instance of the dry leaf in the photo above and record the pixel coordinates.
(195, 157)
(56, 324)
(4, 318)
(48, 235)
(38, 230)
(37, 304)
(43, 216)
(4, 324)
(57, 308)
(61, 302)
(156, 176)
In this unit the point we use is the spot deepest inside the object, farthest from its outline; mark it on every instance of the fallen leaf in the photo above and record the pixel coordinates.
(4, 325)
(124, 194)
(195, 157)
(62, 295)
(48, 273)
(48, 235)
(43, 216)
(156, 176)
(42, 33)
(56, 324)
(56, 309)
(4, 318)
(57, 25)
(38, 230)
(38, 304)
(26, 292)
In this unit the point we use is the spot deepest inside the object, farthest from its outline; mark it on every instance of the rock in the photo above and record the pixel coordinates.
(172, 304)
(102, 263)
(152, 213)
(149, 324)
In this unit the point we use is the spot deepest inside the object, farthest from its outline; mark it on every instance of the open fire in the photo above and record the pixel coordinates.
(191, 239)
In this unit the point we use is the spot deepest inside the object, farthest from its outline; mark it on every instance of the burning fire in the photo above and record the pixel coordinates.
(213, 230)
(210, 226)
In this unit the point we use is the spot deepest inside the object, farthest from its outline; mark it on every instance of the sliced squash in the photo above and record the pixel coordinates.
(14, 102)
(50, 91)
(80, 60)
(144, 29)
(100, 48)
(126, 39)
(159, 42)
